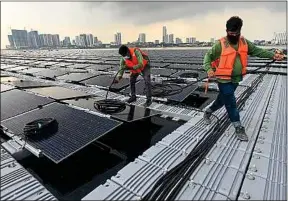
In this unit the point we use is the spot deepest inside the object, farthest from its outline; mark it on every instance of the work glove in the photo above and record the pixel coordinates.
(211, 73)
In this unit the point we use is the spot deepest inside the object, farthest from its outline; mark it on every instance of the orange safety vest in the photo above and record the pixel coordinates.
(134, 61)
(224, 65)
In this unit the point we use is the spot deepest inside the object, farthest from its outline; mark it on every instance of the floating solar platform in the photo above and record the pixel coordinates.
(81, 66)
(162, 72)
(130, 114)
(190, 74)
(5, 87)
(49, 73)
(9, 79)
(16, 102)
(17, 69)
(106, 80)
(140, 90)
(59, 93)
(31, 71)
(6, 66)
(99, 67)
(185, 67)
(76, 129)
(77, 77)
(159, 65)
(23, 84)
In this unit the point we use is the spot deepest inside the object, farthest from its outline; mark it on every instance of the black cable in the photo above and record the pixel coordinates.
(38, 127)
(110, 106)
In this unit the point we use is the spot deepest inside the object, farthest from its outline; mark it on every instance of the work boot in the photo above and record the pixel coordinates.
(207, 115)
(240, 133)
(131, 99)
(148, 103)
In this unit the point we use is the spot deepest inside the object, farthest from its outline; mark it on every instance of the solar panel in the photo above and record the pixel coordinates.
(76, 129)
(19, 68)
(16, 102)
(59, 93)
(99, 67)
(131, 113)
(6, 66)
(185, 66)
(9, 79)
(106, 80)
(162, 72)
(190, 74)
(32, 70)
(77, 77)
(50, 73)
(81, 66)
(29, 84)
(5, 87)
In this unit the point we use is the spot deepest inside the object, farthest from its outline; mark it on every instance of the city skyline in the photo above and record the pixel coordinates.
(69, 19)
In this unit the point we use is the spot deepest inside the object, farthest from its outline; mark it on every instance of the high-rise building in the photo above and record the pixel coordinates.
(164, 35)
(187, 40)
(178, 41)
(73, 42)
(41, 40)
(280, 38)
(66, 41)
(77, 41)
(212, 40)
(20, 38)
(95, 40)
(11, 41)
(90, 41)
(157, 42)
(142, 38)
(83, 40)
(192, 40)
(55, 40)
(171, 38)
(33, 39)
(117, 38)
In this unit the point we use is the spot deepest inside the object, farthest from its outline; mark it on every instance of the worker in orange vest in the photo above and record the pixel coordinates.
(227, 61)
(137, 62)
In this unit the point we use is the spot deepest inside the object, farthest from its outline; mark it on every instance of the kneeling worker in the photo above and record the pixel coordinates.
(227, 61)
(137, 62)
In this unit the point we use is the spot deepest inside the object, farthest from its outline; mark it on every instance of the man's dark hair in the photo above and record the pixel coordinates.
(123, 50)
(234, 24)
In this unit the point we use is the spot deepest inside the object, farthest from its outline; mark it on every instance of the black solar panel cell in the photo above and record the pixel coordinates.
(29, 84)
(16, 102)
(106, 80)
(59, 93)
(77, 77)
(76, 129)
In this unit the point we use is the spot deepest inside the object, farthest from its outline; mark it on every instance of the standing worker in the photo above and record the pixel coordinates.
(137, 62)
(227, 61)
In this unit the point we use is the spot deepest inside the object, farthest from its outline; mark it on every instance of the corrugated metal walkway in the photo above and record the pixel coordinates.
(256, 169)
(18, 184)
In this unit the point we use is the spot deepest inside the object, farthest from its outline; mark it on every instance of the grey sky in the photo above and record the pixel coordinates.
(203, 20)
(145, 12)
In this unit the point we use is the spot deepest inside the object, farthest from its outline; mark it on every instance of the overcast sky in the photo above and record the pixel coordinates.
(203, 20)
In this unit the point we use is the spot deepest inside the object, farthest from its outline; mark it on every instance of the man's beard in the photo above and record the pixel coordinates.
(233, 39)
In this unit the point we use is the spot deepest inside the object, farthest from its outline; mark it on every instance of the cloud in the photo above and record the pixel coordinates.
(147, 12)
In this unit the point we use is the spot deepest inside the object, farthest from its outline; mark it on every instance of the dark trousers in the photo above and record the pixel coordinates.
(147, 78)
(226, 97)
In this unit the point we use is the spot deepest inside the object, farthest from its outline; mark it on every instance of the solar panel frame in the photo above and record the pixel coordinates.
(72, 135)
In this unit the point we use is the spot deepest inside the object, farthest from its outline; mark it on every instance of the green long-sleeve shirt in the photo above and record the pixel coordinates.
(215, 52)
(123, 65)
